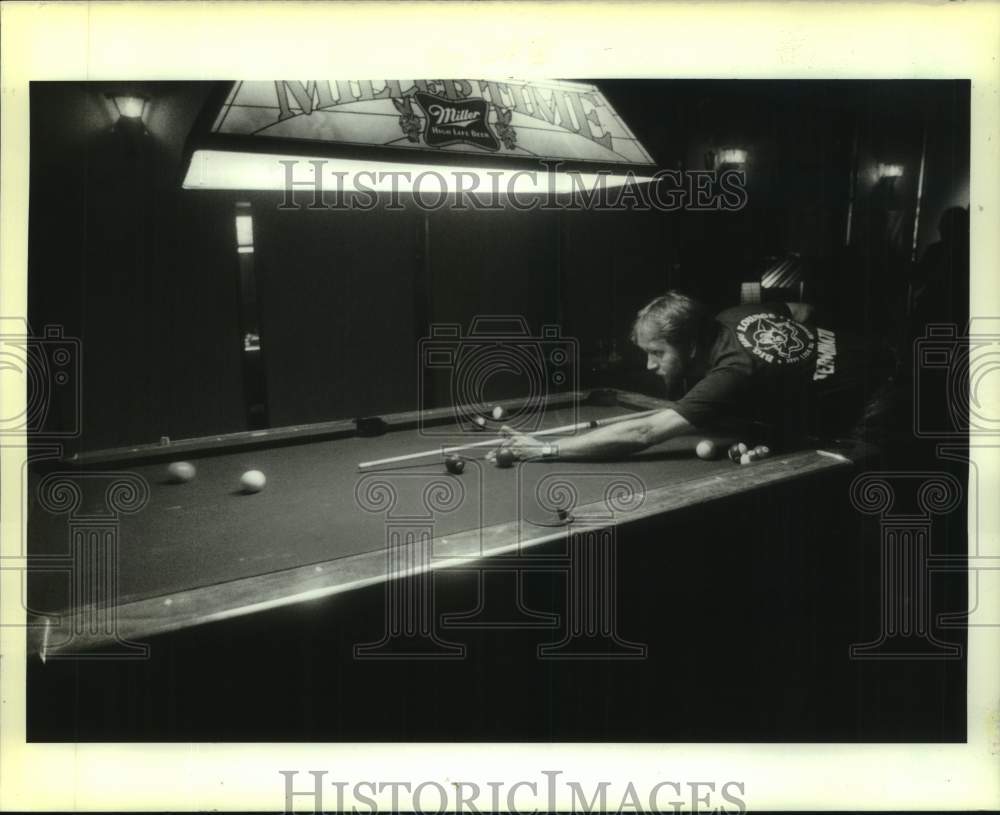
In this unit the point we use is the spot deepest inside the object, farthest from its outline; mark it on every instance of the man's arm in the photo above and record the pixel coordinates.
(611, 442)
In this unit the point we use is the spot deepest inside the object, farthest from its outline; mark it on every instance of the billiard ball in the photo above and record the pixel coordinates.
(253, 481)
(498, 413)
(455, 465)
(707, 449)
(479, 423)
(505, 458)
(762, 451)
(734, 453)
(180, 471)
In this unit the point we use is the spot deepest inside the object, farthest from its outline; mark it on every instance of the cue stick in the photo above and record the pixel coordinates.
(569, 428)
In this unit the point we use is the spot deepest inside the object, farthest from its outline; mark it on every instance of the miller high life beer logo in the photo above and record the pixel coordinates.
(450, 122)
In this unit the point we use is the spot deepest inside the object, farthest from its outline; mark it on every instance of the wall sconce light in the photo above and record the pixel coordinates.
(890, 171)
(729, 156)
(732, 156)
(130, 108)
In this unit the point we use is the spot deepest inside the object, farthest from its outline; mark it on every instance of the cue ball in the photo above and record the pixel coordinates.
(180, 471)
(497, 413)
(455, 465)
(707, 449)
(480, 423)
(253, 481)
(505, 458)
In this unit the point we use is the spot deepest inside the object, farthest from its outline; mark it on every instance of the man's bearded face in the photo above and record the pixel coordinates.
(664, 359)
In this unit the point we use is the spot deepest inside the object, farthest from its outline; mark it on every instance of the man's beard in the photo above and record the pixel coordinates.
(674, 387)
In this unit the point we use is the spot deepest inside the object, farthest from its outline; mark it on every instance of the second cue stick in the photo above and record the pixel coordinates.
(569, 428)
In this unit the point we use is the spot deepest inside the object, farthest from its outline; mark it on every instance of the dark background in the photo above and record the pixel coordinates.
(146, 274)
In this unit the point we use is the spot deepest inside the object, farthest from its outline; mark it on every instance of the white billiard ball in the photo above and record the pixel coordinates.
(707, 449)
(253, 481)
(180, 471)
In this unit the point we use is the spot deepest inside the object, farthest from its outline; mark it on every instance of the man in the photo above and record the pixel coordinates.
(761, 363)
(939, 289)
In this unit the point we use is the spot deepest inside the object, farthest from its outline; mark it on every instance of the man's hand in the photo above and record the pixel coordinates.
(521, 445)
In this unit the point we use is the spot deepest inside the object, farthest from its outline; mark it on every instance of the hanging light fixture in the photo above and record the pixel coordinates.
(428, 138)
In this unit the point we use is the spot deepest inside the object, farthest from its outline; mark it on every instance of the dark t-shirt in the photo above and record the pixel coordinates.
(761, 365)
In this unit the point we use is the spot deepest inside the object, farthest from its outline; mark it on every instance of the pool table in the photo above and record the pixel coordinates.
(119, 554)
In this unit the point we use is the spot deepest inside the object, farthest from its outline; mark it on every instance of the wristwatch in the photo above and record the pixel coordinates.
(550, 450)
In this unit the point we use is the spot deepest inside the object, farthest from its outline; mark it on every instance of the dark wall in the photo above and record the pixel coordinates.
(808, 143)
(140, 271)
(798, 138)
(613, 264)
(922, 128)
(345, 297)
(339, 297)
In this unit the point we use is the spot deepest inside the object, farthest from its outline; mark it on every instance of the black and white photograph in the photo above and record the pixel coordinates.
(577, 410)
